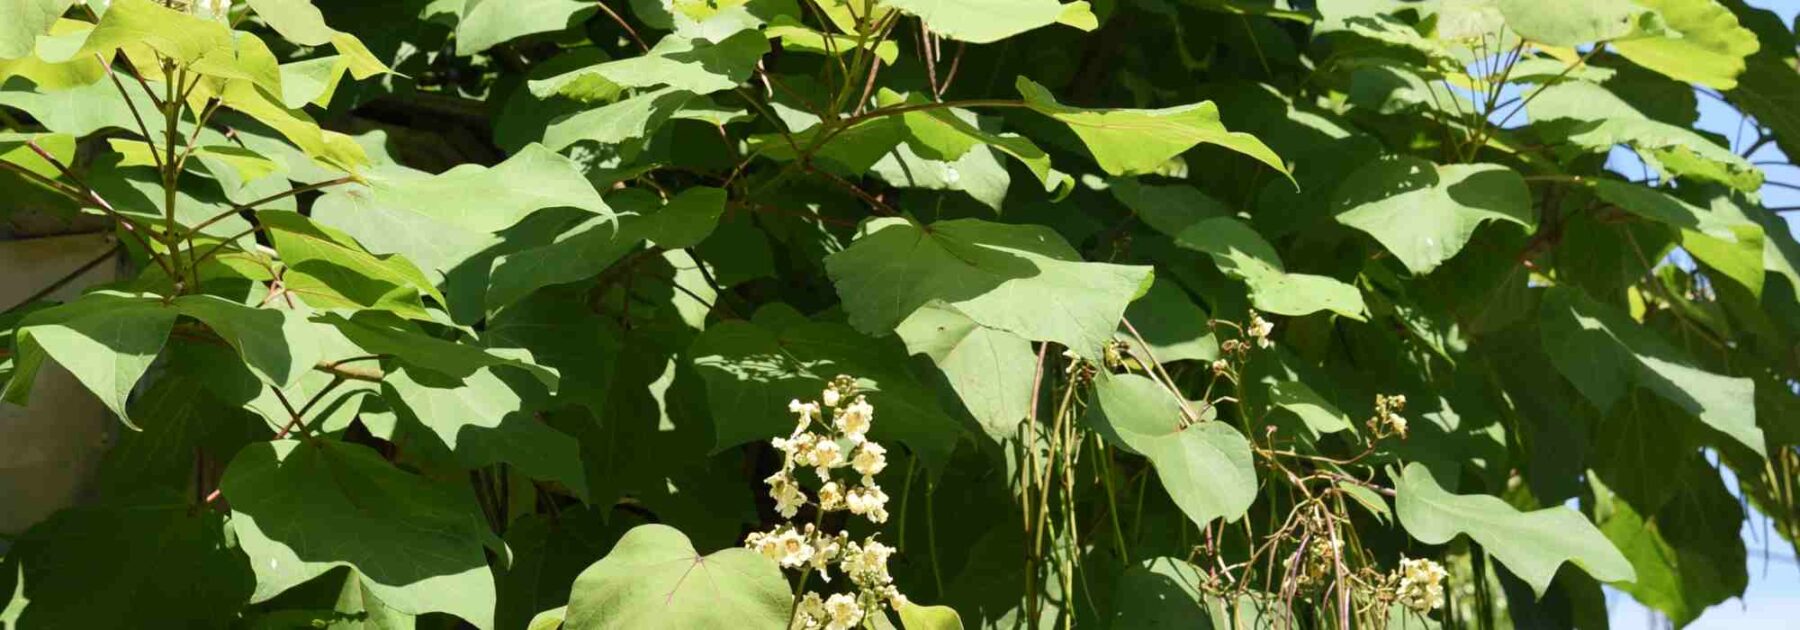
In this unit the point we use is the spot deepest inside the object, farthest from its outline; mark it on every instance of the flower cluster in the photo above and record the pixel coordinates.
(827, 447)
(1387, 420)
(1421, 584)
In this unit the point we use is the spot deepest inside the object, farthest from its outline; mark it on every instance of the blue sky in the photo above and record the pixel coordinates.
(1773, 598)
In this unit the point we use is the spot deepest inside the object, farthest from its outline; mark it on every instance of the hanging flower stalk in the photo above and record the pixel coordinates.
(828, 447)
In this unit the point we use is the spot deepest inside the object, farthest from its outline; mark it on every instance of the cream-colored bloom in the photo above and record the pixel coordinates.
(893, 596)
(843, 611)
(1260, 329)
(831, 397)
(831, 496)
(825, 550)
(827, 455)
(867, 564)
(810, 613)
(855, 419)
(795, 549)
(768, 545)
(870, 459)
(786, 493)
(868, 501)
(806, 411)
(1421, 584)
(1219, 366)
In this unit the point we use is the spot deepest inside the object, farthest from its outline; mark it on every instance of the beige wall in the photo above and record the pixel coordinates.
(49, 450)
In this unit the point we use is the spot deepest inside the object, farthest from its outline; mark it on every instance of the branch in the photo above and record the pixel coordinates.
(275, 197)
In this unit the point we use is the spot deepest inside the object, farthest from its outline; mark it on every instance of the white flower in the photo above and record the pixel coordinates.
(831, 397)
(895, 599)
(825, 550)
(1260, 329)
(827, 455)
(870, 459)
(844, 612)
(810, 612)
(855, 419)
(868, 501)
(806, 411)
(786, 493)
(795, 549)
(866, 564)
(1219, 366)
(1399, 423)
(766, 544)
(831, 496)
(1421, 584)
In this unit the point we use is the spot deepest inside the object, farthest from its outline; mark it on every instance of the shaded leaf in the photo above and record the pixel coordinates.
(301, 509)
(983, 270)
(1424, 213)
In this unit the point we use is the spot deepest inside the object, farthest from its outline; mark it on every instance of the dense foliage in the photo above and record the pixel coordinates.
(565, 313)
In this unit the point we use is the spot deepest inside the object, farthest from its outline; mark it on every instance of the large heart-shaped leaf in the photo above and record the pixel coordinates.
(1424, 213)
(1241, 252)
(301, 509)
(655, 579)
(106, 339)
(1205, 467)
(985, 21)
(986, 271)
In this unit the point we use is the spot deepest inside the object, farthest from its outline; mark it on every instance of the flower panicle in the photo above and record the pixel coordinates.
(830, 435)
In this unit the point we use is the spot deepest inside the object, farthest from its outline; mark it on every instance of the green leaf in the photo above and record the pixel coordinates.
(300, 509)
(752, 369)
(384, 334)
(163, 565)
(1242, 253)
(1424, 213)
(487, 23)
(655, 579)
(482, 420)
(296, 20)
(328, 269)
(1135, 141)
(916, 617)
(1689, 555)
(1161, 593)
(331, 149)
(991, 370)
(948, 134)
(1570, 23)
(202, 46)
(79, 110)
(1167, 209)
(1318, 414)
(1705, 45)
(985, 270)
(580, 252)
(14, 149)
(694, 65)
(106, 339)
(1531, 544)
(626, 124)
(1173, 326)
(987, 21)
(685, 221)
(278, 345)
(1206, 467)
(22, 21)
(478, 198)
(1591, 117)
(1732, 245)
(1602, 351)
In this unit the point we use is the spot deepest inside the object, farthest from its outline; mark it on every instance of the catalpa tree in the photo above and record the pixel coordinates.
(682, 313)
